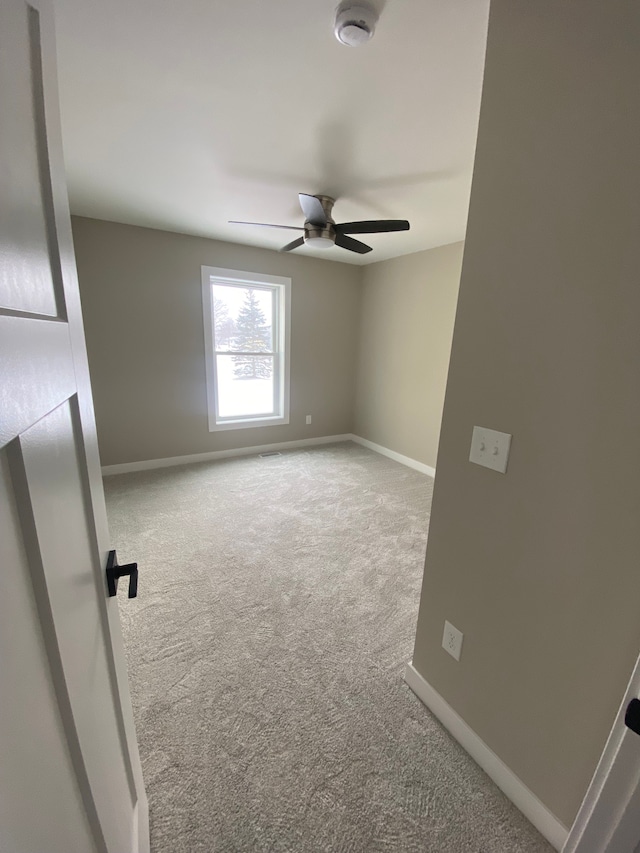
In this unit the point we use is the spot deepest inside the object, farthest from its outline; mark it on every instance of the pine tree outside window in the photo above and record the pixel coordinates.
(246, 325)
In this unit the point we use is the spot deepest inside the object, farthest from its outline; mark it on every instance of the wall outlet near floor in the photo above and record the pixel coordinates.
(308, 419)
(452, 640)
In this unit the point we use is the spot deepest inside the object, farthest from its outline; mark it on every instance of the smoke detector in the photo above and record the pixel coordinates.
(355, 23)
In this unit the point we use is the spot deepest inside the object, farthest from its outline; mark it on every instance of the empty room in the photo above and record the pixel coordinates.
(319, 417)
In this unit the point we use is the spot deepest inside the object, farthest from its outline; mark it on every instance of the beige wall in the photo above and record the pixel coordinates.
(539, 568)
(142, 304)
(406, 324)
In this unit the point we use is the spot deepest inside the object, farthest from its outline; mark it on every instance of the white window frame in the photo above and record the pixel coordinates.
(281, 290)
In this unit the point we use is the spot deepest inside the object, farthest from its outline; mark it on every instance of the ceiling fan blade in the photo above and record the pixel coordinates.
(373, 226)
(293, 245)
(265, 225)
(312, 209)
(353, 245)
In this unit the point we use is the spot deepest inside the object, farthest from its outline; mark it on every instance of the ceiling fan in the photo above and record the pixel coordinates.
(321, 232)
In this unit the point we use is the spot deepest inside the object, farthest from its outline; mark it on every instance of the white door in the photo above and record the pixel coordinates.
(70, 777)
(609, 819)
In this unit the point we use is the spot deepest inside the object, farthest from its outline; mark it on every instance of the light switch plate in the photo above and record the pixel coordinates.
(490, 448)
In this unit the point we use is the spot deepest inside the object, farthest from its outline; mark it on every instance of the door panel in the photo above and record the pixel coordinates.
(68, 582)
(40, 803)
(25, 243)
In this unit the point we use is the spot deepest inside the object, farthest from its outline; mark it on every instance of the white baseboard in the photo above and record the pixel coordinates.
(397, 457)
(532, 808)
(169, 461)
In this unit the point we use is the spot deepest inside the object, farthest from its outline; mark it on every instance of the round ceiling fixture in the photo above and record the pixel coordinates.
(355, 23)
(319, 242)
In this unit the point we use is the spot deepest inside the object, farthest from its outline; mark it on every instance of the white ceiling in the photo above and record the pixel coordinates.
(182, 114)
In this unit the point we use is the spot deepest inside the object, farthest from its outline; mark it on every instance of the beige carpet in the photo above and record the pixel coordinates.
(276, 611)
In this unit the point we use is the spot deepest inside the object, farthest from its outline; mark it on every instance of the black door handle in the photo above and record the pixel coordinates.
(632, 716)
(114, 572)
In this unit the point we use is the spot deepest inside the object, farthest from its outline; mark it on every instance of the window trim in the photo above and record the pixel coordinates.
(282, 339)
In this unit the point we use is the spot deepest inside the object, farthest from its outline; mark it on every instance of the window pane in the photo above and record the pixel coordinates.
(245, 385)
(243, 318)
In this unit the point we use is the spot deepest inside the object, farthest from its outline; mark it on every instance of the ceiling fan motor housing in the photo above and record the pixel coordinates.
(355, 23)
(321, 235)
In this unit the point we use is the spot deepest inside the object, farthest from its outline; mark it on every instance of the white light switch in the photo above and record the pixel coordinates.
(490, 448)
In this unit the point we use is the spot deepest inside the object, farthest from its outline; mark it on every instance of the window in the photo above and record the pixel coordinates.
(246, 333)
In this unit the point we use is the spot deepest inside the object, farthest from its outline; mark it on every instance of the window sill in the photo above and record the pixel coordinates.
(246, 423)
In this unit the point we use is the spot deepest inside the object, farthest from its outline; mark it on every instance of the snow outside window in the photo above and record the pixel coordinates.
(246, 329)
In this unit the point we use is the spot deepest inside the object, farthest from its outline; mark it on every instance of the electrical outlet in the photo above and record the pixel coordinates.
(308, 419)
(452, 640)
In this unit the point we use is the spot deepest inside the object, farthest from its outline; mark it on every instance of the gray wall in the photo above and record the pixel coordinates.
(539, 568)
(406, 323)
(142, 304)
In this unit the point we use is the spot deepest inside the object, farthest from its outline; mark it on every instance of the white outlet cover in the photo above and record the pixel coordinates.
(452, 640)
(308, 419)
(490, 448)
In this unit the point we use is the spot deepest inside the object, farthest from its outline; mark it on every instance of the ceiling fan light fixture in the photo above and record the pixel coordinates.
(355, 23)
(319, 242)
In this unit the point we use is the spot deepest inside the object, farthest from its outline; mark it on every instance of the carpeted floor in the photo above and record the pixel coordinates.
(276, 611)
